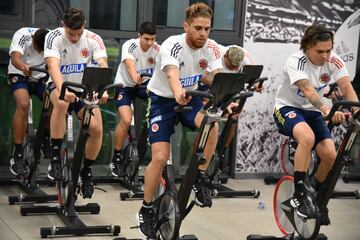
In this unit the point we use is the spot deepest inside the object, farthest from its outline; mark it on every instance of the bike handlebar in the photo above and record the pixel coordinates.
(39, 69)
(258, 80)
(196, 93)
(142, 75)
(85, 89)
(67, 84)
(333, 87)
(342, 103)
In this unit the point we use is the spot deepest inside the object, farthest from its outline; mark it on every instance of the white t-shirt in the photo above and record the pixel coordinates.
(191, 63)
(297, 67)
(74, 57)
(22, 43)
(247, 58)
(144, 61)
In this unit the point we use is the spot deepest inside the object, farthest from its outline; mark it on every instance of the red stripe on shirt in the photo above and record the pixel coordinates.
(337, 62)
(97, 39)
(215, 48)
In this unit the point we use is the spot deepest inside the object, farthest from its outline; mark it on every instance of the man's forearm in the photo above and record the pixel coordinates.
(316, 100)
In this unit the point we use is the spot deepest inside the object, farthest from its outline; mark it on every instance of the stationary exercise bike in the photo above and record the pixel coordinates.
(172, 205)
(289, 146)
(95, 80)
(134, 154)
(32, 148)
(286, 218)
(219, 167)
(135, 149)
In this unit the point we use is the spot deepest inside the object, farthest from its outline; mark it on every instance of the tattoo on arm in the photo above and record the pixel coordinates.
(208, 77)
(309, 92)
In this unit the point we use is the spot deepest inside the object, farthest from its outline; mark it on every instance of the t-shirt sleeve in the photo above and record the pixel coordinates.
(128, 50)
(214, 56)
(52, 44)
(99, 50)
(169, 53)
(18, 42)
(295, 68)
(338, 66)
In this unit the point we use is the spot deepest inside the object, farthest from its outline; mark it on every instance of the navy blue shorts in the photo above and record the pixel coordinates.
(162, 117)
(127, 95)
(17, 81)
(75, 106)
(287, 117)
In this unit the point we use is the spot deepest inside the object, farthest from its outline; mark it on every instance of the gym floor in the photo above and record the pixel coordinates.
(228, 219)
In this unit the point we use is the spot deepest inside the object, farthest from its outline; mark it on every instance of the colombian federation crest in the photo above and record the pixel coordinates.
(151, 60)
(324, 78)
(203, 64)
(84, 53)
(154, 127)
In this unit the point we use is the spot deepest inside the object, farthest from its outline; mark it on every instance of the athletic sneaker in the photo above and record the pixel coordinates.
(303, 205)
(117, 166)
(54, 169)
(17, 164)
(146, 220)
(87, 185)
(202, 191)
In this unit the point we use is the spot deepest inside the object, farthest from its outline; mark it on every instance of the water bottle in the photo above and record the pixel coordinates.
(261, 205)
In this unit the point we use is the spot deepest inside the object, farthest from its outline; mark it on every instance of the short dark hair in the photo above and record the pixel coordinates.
(315, 34)
(74, 18)
(39, 38)
(147, 28)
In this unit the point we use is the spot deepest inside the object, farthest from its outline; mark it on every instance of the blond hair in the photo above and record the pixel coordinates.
(196, 10)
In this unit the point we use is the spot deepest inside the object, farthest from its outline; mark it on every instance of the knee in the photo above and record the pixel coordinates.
(60, 107)
(95, 128)
(125, 122)
(23, 107)
(306, 140)
(159, 159)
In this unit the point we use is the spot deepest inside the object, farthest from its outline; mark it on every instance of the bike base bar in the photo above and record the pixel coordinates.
(260, 237)
(32, 199)
(26, 209)
(80, 230)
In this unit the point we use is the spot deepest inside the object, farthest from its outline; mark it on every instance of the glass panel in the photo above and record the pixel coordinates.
(110, 14)
(83, 5)
(176, 16)
(160, 12)
(224, 15)
(171, 13)
(128, 15)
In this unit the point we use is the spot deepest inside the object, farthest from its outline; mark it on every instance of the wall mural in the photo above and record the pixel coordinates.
(273, 31)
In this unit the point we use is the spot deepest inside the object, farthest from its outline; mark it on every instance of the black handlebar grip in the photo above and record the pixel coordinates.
(199, 94)
(67, 84)
(332, 86)
(108, 87)
(261, 81)
(40, 69)
(337, 105)
(142, 75)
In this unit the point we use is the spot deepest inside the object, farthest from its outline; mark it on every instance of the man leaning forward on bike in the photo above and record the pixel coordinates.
(68, 50)
(299, 110)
